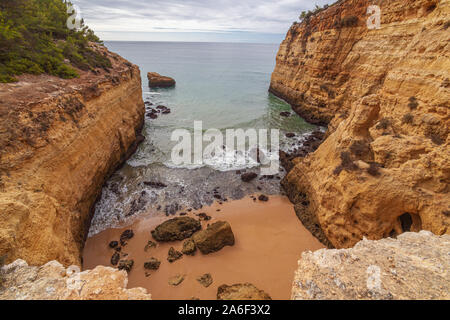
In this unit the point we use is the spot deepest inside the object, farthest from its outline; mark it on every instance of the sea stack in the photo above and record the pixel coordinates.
(155, 80)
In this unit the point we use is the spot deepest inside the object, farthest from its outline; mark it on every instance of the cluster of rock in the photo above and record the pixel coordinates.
(214, 238)
(153, 113)
(55, 282)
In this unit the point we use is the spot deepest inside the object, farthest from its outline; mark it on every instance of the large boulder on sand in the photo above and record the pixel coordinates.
(176, 229)
(245, 291)
(155, 80)
(214, 238)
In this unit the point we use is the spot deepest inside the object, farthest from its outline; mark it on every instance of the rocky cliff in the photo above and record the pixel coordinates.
(384, 168)
(59, 142)
(413, 267)
(54, 282)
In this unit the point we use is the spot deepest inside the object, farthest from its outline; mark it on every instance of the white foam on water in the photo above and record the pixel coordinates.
(153, 93)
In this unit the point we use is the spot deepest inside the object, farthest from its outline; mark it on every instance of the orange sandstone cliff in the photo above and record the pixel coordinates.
(59, 141)
(384, 167)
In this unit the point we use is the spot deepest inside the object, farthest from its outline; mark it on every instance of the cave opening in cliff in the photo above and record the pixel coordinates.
(410, 222)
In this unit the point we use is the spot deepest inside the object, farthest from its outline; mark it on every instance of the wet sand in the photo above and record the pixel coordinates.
(269, 243)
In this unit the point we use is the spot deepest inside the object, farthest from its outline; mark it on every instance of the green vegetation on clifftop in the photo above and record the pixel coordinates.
(35, 39)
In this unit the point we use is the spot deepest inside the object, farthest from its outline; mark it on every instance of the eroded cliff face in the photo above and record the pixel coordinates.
(59, 142)
(54, 282)
(384, 168)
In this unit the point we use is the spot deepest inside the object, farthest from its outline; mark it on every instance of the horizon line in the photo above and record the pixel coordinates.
(175, 41)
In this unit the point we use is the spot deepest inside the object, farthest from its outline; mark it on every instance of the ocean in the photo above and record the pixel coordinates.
(224, 85)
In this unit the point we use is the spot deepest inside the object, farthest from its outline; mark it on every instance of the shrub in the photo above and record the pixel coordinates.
(359, 148)
(306, 15)
(349, 21)
(413, 104)
(436, 139)
(374, 169)
(34, 39)
(408, 119)
(346, 163)
(446, 25)
(383, 124)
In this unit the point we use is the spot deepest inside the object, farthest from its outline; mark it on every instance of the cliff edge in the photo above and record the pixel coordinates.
(384, 168)
(59, 141)
(54, 282)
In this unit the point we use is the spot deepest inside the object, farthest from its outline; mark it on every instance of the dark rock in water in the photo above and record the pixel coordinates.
(285, 114)
(126, 265)
(126, 235)
(241, 292)
(174, 255)
(176, 229)
(214, 238)
(217, 196)
(148, 103)
(248, 177)
(152, 264)
(189, 247)
(152, 115)
(205, 280)
(171, 209)
(290, 135)
(263, 198)
(113, 244)
(115, 259)
(149, 245)
(155, 185)
(311, 144)
(166, 111)
(114, 187)
(155, 80)
(204, 217)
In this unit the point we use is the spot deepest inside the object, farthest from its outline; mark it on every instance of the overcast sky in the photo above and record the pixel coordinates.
(193, 20)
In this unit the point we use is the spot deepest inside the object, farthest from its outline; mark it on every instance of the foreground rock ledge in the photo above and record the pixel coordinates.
(54, 282)
(413, 267)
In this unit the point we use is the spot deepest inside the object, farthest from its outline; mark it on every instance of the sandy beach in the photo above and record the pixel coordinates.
(269, 242)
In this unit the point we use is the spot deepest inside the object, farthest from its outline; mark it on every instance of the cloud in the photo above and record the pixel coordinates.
(128, 16)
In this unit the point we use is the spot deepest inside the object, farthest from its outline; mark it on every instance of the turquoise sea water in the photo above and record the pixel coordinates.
(221, 84)
(225, 85)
